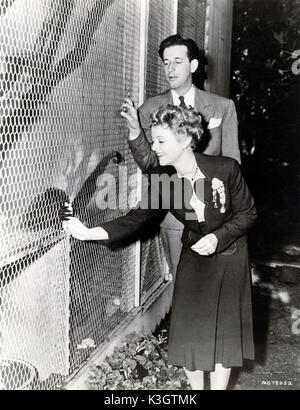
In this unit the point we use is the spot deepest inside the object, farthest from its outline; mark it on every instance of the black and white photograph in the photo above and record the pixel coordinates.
(149, 198)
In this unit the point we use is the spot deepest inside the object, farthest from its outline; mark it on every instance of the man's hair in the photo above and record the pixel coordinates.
(181, 120)
(193, 51)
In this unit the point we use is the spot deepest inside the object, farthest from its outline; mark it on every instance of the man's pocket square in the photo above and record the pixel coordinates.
(214, 122)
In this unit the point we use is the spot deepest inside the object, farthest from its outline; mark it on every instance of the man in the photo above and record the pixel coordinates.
(181, 60)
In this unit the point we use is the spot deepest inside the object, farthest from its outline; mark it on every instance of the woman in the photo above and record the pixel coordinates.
(211, 320)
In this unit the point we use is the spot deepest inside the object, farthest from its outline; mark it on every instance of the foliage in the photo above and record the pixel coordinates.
(265, 35)
(140, 363)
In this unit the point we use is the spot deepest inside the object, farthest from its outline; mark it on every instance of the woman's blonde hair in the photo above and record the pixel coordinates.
(183, 121)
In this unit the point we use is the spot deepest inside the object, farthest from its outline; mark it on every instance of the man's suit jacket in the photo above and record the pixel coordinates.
(229, 227)
(217, 112)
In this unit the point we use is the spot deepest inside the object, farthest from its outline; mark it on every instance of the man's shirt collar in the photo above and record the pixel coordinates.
(189, 97)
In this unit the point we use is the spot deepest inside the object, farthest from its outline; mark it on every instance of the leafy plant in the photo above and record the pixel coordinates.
(265, 37)
(140, 363)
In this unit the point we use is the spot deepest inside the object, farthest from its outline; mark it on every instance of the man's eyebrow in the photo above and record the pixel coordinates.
(176, 58)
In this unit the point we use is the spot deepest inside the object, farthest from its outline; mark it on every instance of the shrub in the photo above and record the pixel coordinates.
(140, 363)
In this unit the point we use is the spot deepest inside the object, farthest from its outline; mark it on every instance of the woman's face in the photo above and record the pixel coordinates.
(167, 145)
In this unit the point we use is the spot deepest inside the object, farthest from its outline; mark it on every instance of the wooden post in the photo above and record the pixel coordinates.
(218, 31)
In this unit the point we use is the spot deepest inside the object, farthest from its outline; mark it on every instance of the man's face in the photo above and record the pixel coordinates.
(178, 68)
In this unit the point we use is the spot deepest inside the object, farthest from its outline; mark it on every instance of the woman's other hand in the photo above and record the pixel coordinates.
(206, 245)
(129, 112)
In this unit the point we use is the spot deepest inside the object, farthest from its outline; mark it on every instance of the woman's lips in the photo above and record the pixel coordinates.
(159, 156)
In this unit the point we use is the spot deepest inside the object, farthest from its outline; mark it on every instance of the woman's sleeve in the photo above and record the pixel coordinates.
(140, 147)
(136, 219)
(244, 212)
(130, 224)
(142, 153)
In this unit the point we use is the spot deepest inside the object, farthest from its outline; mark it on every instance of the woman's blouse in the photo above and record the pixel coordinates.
(195, 202)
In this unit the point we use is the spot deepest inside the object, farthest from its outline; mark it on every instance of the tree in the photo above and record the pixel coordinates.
(263, 85)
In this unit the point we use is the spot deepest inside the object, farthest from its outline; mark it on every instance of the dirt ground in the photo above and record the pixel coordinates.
(276, 303)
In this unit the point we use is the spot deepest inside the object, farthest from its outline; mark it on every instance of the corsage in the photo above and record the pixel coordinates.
(218, 189)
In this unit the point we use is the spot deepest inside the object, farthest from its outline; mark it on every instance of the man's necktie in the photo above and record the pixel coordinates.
(182, 103)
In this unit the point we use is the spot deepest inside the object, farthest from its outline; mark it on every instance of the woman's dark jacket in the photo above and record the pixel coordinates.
(229, 227)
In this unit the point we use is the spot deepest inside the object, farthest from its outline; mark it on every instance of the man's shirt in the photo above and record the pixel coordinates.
(189, 97)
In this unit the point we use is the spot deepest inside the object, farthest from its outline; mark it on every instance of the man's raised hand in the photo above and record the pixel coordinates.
(129, 112)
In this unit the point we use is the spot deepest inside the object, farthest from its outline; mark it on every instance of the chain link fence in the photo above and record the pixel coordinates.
(65, 66)
(160, 26)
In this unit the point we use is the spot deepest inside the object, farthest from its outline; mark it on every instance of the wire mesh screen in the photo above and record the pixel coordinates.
(160, 26)
(191, 20)
(65, 66)
(161, 23)
(191, 24)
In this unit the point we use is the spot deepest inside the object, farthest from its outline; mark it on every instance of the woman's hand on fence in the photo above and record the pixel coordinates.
(129, 112)
(206, 245)
(74, 227)
(78, 230)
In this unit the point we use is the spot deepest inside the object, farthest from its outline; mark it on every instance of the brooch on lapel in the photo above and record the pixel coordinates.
(218, 188)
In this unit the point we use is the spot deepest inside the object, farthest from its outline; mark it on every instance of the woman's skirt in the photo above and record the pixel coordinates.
(211, 319)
